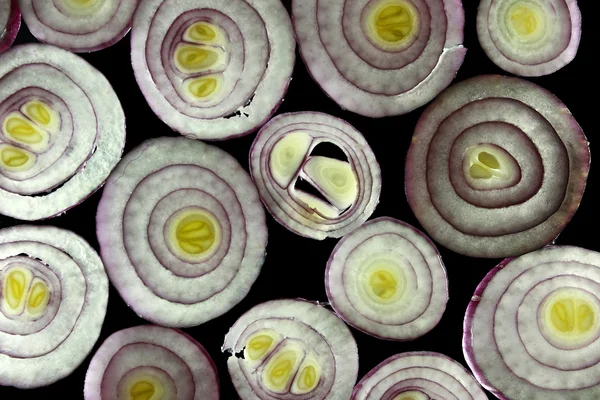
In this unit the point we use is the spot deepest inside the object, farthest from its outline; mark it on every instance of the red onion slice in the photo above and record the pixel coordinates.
(496, 167)
(380, 57)
(181, 231)
(387, 279)
(419, 375)
(292, 349)
(60, 136)
(532, 329)
(53, 300)
(10, 22)
(280, 157)
(151, 362)
(529, 38)
(213, 69)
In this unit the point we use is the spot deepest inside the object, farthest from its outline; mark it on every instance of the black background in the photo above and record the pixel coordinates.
(295, 266)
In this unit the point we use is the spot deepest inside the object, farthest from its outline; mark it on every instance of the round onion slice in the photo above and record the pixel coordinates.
(347, 191)
(387, 279)
(380, 57)
(529, 37)
(181, 230)
(60, 136)
(532, 329)
(10, 22)
(78, 25)
(419, 375)
(53, 295)
(213, 69)
(292, 349)
(496, 167)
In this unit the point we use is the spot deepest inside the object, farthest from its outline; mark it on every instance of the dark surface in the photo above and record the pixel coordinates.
(295, 266)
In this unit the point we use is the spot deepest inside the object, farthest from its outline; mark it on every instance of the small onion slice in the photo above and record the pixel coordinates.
(387, 279)
(292, 349)
(151, 362)
(53, 296)
(280, 157)
(529, 37)
(532, 329)
(182, 231)
(60, 136)
(10, 22)
(380, 57)
(213, 69)
(496, 168)
(419, 375)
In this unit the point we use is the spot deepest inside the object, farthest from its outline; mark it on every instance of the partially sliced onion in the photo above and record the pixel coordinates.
(78, 25)
(380, 57)
(532, 329)
(419, 375)
(529, 37)
(151, 362)
(280, 157)
(292, 349)
(387, 279)
(10, 22)
(213, 69)
(181, 230)
(60, 136)
(496, 168)
(53, 296)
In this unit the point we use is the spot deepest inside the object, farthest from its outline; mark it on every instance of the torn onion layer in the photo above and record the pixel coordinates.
(10, 22)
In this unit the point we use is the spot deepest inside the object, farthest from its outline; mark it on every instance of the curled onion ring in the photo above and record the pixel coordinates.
(10, 22)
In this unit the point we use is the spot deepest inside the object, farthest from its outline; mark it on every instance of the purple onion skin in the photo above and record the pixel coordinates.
(12, 27)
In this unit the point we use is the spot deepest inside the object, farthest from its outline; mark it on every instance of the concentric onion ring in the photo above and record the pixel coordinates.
(529, 37)
(60, 136)
(496, 168)
(293, 349)
(53, 295)
(151, 362)
(213, 69)
(280, 157)
(380, 57)
(387, 279)
(418, 376)
(532, 330)
(181, 230)
(10, 22)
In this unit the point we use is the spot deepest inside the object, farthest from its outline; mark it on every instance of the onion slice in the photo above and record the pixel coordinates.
(532, 329)
(496, 168)
(10, 22)
(280, 158)
(213, 69)
(53, 296)
(181, 230)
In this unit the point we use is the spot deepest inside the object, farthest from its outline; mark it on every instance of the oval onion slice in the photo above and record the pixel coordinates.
(151, 362)
(181, 231)
(349, 190)
(496, 167)
(213, 69)
(292, 349)
(53, 295)
(418, 375)
(387, 279)
(529, 37)
(60, 136)
(380, 57)
(532, 329)
(10, 22)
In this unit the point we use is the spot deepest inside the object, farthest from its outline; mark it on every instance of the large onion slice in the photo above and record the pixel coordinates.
(53, 295)
(10, 22)
(496, 168)
(280, 158)
(529, 37)
(532, 330)
(380, 57)
(418, 376)
(181, 230)
(151, 362)
(213, 69)
(387, 279)
(60, 135)
(292, 349)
